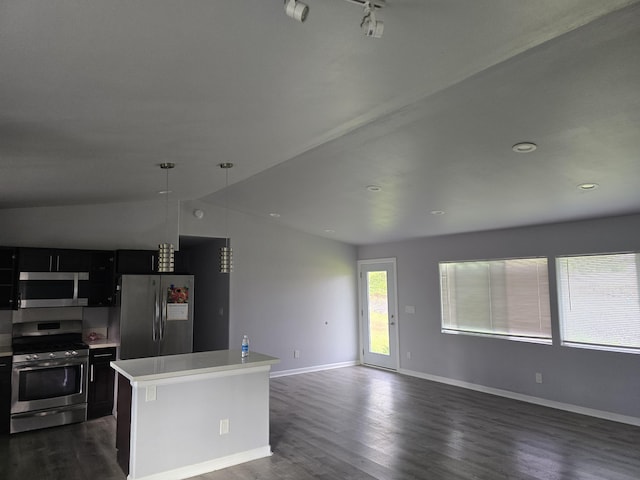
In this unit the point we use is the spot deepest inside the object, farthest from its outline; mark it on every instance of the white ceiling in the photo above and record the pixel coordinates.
(94, 94)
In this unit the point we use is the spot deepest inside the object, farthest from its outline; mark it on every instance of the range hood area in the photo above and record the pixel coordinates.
(53, 289)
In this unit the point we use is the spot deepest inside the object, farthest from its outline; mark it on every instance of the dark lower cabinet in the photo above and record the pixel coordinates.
(101, 382)
(5, 394)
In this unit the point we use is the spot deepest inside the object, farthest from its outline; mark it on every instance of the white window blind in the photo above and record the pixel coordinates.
(599, 301)
(506, 298)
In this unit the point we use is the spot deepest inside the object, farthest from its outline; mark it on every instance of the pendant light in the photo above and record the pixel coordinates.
(165, 250)
(226, 253)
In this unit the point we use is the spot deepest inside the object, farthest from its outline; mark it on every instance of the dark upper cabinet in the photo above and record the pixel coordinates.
(136, 261)
(99, 264)
(102, 278)
(8, 278)
(145, 262)
(54, 260)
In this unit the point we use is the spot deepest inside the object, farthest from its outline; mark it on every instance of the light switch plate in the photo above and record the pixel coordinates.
(150, 393)
(224, 426)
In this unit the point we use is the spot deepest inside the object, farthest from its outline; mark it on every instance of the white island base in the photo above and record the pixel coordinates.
(185, 415)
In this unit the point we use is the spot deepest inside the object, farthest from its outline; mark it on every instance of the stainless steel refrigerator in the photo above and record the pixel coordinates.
(155, 315)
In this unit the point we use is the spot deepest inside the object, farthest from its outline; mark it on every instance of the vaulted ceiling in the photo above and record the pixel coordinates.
(95, 94)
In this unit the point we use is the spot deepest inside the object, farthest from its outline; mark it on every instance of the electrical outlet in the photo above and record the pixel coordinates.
(296, 354)
(538, 378)
(224, 426)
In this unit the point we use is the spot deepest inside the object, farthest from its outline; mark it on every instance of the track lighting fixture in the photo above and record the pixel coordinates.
(370, 25)
(226, 252)
(296, 10)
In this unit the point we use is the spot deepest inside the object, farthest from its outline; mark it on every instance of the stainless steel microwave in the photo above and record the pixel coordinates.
(53, 289)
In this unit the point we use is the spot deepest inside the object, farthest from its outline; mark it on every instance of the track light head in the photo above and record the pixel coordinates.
(296, 10)
(372, 28)
(370, 25)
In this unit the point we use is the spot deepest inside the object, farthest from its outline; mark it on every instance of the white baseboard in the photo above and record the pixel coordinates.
(209, 466)
(527, 398)
(316, 368)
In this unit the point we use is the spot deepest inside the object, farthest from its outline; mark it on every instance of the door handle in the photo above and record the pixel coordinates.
(163, 315)
(156, 314)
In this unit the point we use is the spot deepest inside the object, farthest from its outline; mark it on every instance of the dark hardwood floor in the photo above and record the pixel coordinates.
(363, 423)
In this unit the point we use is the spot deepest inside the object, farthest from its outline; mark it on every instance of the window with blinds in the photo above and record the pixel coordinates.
(599, 301)
(502, 298)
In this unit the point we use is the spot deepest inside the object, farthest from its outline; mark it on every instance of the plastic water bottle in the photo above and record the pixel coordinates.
(245, 346)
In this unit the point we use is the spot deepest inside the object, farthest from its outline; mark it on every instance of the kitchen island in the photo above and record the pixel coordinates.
(180, 416)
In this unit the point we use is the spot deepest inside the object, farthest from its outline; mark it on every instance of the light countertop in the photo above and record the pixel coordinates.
(102, 343)
(5, 345)
(171, 366)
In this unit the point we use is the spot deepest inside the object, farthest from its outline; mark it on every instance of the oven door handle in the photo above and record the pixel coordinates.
(20, 367)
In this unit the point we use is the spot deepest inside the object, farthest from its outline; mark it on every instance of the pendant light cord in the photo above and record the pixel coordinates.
(226, 206)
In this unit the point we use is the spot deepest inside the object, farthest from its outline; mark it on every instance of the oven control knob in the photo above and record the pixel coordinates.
(28, 357)
(52, 355)
(67, 354)
(35, 357)
(74, 353)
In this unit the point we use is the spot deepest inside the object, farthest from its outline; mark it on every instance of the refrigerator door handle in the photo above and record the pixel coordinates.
(156, 316)
(163, 316)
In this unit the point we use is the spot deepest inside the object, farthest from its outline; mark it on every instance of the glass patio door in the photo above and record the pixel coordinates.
(378, 313)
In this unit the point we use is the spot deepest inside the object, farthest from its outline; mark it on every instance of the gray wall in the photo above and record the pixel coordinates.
(138, 225)
(598, 380)
(289, 290)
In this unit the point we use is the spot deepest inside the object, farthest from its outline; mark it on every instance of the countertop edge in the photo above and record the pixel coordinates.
(102, 344)
(190, 372)
(120, 366)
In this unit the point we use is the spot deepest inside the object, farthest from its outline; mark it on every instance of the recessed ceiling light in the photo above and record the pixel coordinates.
(524, 147)
(374, 188)
(329, 230)
(588, 186)
(164, 192)
(274, 215)
(437, 212)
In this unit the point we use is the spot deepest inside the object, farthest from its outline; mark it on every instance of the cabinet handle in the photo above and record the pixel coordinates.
(102, 355)
(91, 377)
(51, 263)
(58, 263)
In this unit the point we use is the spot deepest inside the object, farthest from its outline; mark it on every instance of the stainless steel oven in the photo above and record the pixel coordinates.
(49, 376)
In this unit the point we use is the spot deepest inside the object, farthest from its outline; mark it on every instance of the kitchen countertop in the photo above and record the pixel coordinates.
(171, 366)
(5, 345)
(102, 343)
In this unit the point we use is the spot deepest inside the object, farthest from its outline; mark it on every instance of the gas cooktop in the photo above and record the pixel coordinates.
(19, 349)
